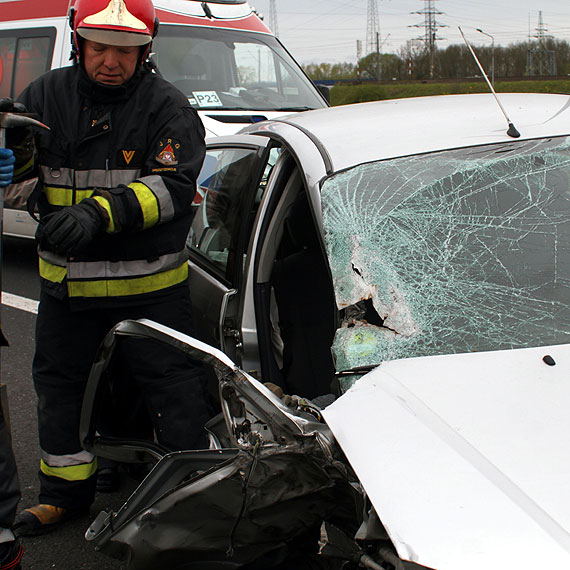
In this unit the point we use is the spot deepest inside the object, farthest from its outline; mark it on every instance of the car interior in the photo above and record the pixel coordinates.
(292, 276)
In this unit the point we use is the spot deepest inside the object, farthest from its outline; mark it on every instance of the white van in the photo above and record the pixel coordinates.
(219, 53)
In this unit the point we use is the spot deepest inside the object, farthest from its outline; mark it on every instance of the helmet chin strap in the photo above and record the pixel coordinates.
(147, 52)
(74, 55)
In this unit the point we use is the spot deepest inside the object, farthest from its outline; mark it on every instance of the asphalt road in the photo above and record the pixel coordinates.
(65, 549)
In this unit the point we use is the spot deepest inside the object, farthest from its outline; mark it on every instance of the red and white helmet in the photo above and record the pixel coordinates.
(114, 22)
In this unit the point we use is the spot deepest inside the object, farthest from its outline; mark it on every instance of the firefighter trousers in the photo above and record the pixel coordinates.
(173, 388)
(9, 485)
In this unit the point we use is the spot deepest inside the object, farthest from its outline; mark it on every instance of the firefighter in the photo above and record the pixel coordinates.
(117, 175)
(10, 549)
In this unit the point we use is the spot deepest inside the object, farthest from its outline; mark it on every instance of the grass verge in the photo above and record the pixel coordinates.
(359, 93)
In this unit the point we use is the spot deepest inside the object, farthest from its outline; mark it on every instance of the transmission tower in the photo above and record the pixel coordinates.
(373, 39)
(273, 18)
(430, 26)
(541, 61)
(372, 27)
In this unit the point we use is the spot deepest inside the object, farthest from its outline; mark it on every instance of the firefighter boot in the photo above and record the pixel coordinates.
(10, 555)
(42, 519)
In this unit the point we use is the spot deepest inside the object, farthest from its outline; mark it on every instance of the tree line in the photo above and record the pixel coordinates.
(550, 57)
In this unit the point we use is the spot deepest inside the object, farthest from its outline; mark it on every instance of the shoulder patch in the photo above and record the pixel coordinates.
(167, 152)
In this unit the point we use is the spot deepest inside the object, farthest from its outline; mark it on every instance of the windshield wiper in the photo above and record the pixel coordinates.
(358, 370)
(257, 110)
(295, 109)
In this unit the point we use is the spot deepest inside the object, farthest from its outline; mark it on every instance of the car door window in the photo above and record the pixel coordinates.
(231, 184)
(227, 198)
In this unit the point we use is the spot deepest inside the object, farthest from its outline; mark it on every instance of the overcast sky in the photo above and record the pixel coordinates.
(317, 31)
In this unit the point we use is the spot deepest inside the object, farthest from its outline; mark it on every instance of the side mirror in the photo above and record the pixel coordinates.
(325, 91)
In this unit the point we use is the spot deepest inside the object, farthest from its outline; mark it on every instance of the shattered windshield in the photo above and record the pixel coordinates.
(456, 251)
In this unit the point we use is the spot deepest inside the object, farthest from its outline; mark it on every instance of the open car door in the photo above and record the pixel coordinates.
(230, 186)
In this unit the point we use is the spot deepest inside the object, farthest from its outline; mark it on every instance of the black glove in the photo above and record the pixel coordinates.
(70, 230)
(8, 105)
(16, 134)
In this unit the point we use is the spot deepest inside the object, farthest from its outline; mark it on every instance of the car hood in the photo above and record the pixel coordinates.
(465, 457)
(220, 123)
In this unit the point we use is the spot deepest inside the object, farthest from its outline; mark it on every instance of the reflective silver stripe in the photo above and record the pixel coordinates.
(122, 269)
(67, 460)
(92, 179)
(53, 258)
(159, 189)
(96, 178)
(104, 178)
(57, 176)
(6, 535)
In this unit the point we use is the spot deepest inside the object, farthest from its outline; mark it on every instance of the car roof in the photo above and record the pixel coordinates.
(365, 132)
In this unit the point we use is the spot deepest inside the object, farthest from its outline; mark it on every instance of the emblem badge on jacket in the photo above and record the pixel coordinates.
(167, 152)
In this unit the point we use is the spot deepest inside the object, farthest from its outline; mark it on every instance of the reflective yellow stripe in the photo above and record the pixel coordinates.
(64, 196)
(71, 472)
(105, 203)
(148, 203)
(54, 273)
(135, 286)
(24, 167)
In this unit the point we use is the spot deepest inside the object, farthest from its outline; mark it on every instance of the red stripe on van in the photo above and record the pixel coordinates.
(25, 10)
(251, 22)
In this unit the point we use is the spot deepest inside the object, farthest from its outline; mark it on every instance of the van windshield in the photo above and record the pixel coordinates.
(233, 70)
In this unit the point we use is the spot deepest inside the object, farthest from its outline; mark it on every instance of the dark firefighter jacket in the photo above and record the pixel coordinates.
(137, 149)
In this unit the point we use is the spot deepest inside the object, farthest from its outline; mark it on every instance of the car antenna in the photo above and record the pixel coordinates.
(512, 131)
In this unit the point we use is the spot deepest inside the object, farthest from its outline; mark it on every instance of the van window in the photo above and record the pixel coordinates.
(259, 69)
(24, 56)
(223, 69)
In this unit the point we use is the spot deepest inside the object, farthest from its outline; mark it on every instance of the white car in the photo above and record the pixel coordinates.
(412, 259)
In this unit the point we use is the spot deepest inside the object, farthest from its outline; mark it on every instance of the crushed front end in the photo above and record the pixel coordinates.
(263, 488)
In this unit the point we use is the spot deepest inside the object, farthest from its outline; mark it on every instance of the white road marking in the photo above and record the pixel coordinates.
(22, 303)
